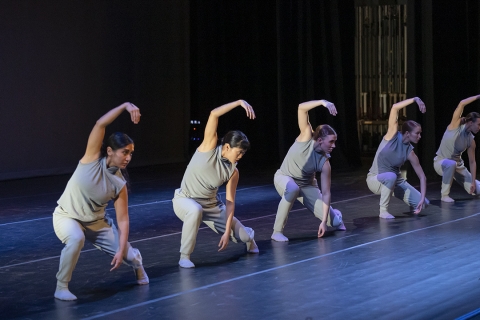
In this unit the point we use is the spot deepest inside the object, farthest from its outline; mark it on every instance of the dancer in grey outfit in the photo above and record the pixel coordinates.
(385, 177)
(80, 213)
(457, 138)
(295, 180)
(197, 199)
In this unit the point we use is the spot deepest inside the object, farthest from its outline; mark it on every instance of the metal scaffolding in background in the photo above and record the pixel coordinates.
(380, 67)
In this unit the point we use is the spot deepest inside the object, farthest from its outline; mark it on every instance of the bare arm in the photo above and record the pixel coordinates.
(457, 114)
(412, 157)
(473, 166)
(231, 189)
(393, 118)
(326, 197)
(303, 122)
(121, 209)
(210, 136)
(98, 132)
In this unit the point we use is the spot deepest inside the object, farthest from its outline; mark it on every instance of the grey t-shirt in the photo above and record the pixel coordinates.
(454, 143)
(89, 190)
(391, 155)
(205, 173)
(302, 162)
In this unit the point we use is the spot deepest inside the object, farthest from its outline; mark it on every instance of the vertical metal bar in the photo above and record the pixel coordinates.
(379, 59)
(400, 49)
(388, 58)
(371, 53)
(405, 74)
(357, 66)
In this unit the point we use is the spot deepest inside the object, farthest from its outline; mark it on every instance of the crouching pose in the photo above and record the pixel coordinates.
(457, 138)
(197, 199)
(80, 213)
(295, 180)
(385, 177)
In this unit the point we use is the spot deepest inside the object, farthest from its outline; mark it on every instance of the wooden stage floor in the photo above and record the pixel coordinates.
(412, 267)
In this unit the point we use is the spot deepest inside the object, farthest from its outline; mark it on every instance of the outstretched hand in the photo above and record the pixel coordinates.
(134, 112)
(419, 207)
(421, 105)
(321, 229)
(331, 108)
(248, 108)
(116, 261)
(224, 242)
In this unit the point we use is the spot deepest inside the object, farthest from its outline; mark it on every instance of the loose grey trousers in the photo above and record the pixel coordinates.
(212, 212)
(102, 233)
(388, 183)
(309, 196)
(449, 170)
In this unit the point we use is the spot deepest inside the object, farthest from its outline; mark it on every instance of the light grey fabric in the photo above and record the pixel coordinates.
(454, 143)
(391, 155)
(102, 233)
(302, 162)
(449, 163)
(309, 196)
(449, 170)
(385, 178)
(197, 199)
(205, 173)
(212, 212)
(388, 183)
(89, 190)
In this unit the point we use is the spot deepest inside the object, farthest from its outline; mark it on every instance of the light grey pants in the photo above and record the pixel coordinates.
(388, 183)
(309, 196)
(212, 212)
(102, 233)
(449, 170)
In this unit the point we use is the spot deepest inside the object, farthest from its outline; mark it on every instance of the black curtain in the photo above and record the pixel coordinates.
(456, 58)
(443, 66)
(315, 60)
(65, 63)
(275, 55)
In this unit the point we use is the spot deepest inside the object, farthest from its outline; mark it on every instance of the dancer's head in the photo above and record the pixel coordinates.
(411, 131)
(325, 138)
(118, 150)
(472, 122)
(234, 145)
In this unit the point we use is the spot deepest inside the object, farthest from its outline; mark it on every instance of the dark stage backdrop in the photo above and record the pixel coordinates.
(443, 66)
(275, 55)
(63, 64)
(456, 61)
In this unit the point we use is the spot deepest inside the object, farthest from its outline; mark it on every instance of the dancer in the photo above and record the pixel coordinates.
(457, 138)
(197, 199)
(80, 213)
(384, 177)
(295, 179)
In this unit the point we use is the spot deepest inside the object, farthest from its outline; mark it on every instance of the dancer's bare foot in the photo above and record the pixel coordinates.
(447, 199)
(278, 236)
(386, 215)
(62, 293)
(252, 247)
(141, 276)
(185, 262)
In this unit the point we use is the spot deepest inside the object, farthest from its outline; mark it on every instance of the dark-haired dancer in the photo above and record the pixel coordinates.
(295, 179)
(197, 199)
(385, 177)
(80, 213)
(457, 138)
